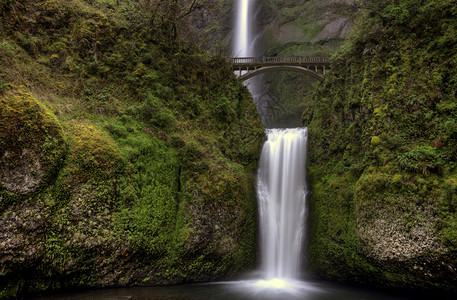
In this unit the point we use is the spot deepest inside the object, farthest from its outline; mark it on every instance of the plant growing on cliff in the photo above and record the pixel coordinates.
(422, 160)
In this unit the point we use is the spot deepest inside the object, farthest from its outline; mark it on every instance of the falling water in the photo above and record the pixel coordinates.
(282, 190)
(243, 26)
(244, 45)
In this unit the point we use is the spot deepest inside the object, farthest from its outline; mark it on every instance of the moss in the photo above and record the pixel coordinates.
(93, 153)
(375, 141)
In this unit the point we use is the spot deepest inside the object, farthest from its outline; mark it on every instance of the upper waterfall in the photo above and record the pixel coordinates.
(243, 28)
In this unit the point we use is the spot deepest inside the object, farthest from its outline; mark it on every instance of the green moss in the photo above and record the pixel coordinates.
(162, 145)
(26, 123)
(155, 186)
(93, 153)
(375, 141)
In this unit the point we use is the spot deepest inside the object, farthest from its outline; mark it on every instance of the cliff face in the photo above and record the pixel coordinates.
(303, 22)
(127, 156)
(211, 25)
(296, 28)
(383, 151)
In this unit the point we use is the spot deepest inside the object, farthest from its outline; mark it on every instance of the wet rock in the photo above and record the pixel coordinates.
(338, 28)
(21, 173)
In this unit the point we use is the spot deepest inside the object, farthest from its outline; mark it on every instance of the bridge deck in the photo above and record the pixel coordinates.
(247, 63)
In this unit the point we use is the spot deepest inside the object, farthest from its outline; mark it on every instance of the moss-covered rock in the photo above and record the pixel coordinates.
(382, 151)
(153, 182)
(31, 142)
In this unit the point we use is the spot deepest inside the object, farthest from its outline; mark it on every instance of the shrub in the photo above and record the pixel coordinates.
(225, 109)
(152, 111)
(423, 159)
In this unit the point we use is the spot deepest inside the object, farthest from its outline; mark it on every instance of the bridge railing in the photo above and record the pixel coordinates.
(279, 60)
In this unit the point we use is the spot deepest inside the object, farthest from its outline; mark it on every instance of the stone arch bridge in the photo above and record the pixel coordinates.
(248, 67)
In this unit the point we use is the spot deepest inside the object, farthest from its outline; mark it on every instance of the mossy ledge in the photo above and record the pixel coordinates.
(147, 154)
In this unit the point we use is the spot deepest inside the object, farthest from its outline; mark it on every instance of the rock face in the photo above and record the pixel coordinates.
(277, 23)
(384, 230)
(303, 22)
(25, 222)
(381, 231)
(288, 28)
(337, 29)
(211, 25)
(22, 176)
(192, 219)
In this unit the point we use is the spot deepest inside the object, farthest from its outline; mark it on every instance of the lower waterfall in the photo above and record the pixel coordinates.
(282, 191)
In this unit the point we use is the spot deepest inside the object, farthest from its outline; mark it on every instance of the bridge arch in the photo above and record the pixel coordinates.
(262, 70)
(252, 66)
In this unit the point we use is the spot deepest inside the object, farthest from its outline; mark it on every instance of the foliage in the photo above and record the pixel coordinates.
(422, 160)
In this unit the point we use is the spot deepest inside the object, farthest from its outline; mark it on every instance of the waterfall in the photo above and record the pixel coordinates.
(282, 191)
(281, 186)
(244, 45)
(242, 29)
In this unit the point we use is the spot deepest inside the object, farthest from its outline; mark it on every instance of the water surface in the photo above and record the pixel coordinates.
(236, 290)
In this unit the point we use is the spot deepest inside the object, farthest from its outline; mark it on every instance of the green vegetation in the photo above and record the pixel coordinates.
(383, 150)
(147, 145)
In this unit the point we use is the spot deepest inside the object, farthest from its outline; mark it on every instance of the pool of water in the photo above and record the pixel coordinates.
(235, 290)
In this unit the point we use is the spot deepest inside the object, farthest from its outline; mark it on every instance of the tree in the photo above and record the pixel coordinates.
(170, 15)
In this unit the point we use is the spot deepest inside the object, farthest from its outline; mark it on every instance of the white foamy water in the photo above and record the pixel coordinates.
(282, 190)
(242, 39)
